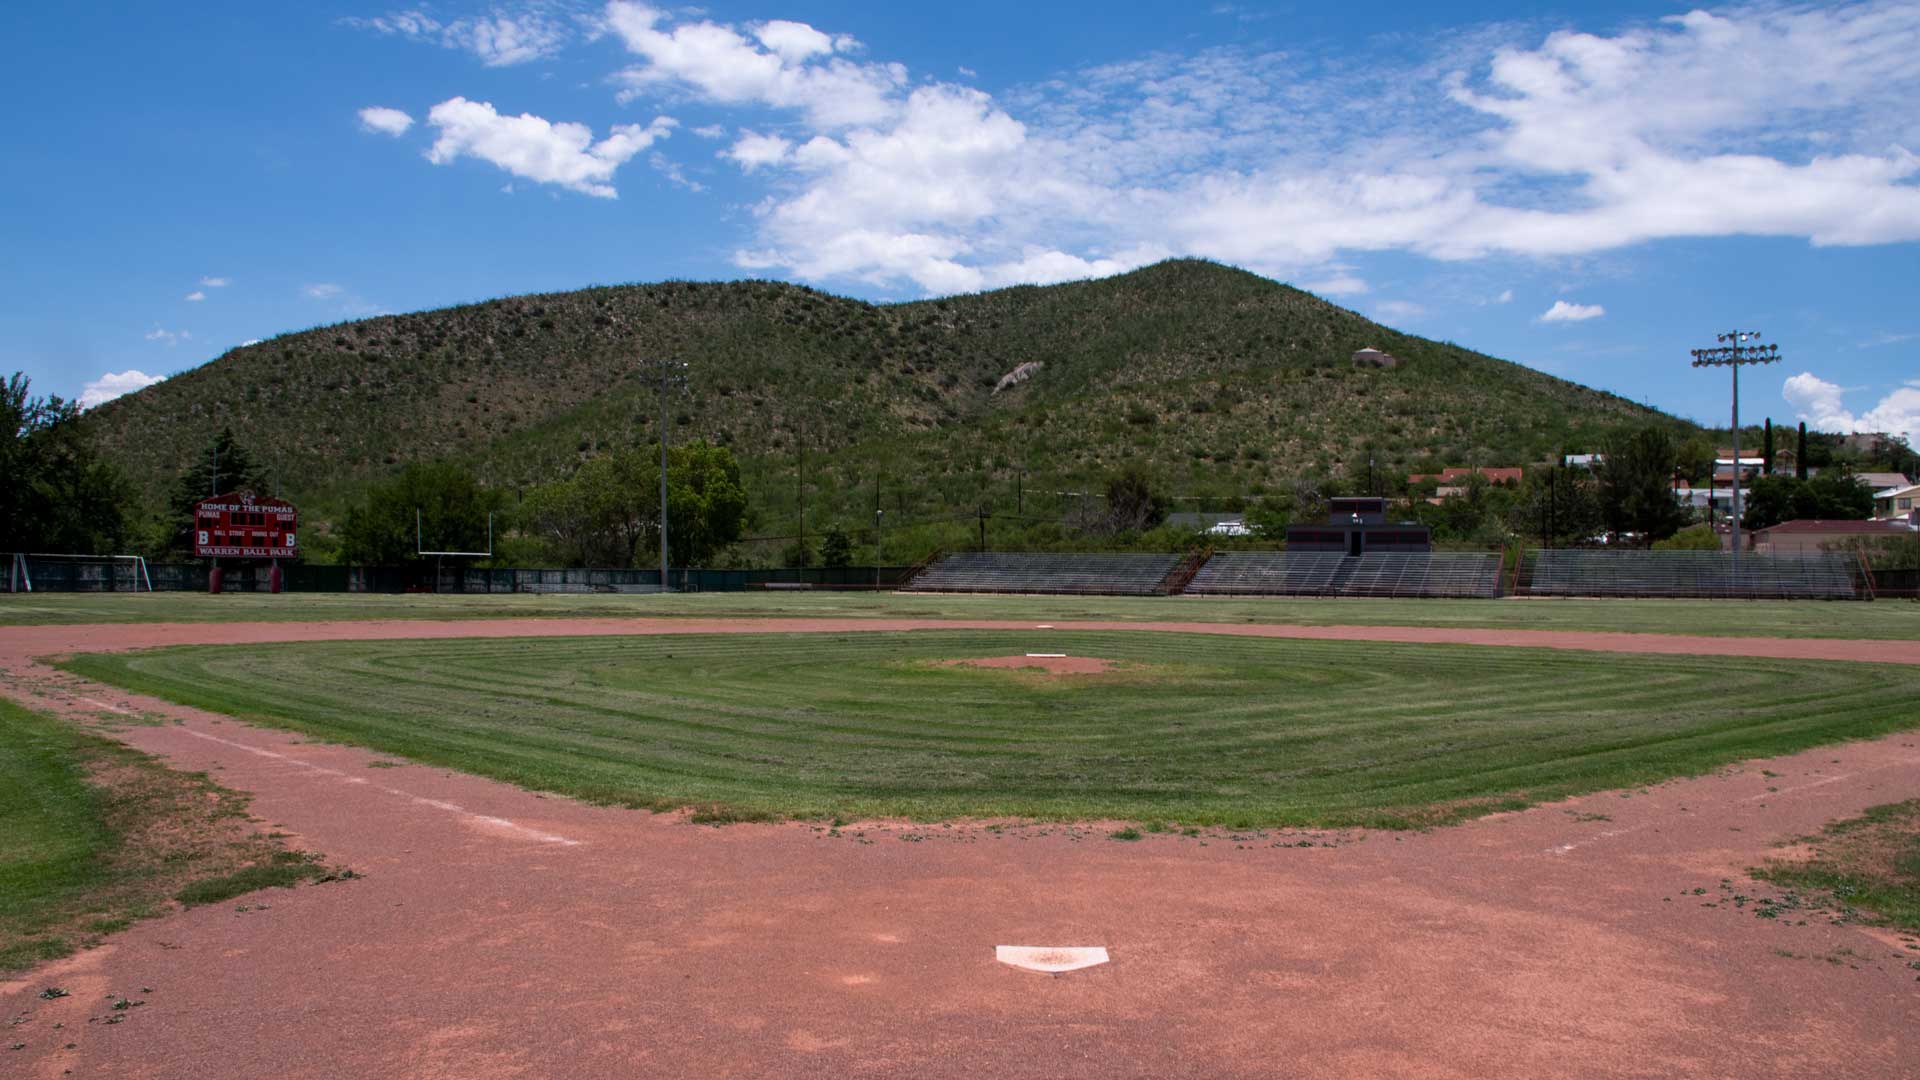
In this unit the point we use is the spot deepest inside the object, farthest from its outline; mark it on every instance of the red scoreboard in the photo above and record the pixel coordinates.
(246, 526)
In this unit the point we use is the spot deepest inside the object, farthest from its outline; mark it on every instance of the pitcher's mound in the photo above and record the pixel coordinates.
(1052, 665)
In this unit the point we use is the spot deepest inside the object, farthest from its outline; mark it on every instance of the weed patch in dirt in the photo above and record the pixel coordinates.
(1869, 863)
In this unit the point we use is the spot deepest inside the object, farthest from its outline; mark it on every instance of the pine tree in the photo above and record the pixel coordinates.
(224, 466)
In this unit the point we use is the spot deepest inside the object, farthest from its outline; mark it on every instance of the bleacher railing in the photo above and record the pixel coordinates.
(1379, 574)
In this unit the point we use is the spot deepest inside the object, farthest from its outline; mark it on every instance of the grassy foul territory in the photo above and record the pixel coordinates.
(1182, 727)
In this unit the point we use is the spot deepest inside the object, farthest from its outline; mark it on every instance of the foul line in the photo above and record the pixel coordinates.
(438, 804)
(110, 708)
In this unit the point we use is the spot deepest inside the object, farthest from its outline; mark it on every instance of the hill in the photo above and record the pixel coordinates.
(1218, 382)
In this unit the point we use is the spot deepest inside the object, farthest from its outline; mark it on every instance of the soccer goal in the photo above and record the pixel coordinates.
(78, 573)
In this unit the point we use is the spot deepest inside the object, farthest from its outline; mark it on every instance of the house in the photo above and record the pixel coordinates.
(1750, 467)
(1821, 534)
(1882, 481)
(1897, 503)
(1582, 461)
(1457, 476)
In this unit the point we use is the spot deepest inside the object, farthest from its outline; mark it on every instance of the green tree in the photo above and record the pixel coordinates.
(1558, 506)
(452, 511)
(608, 512)
(836, 548)
(56, 494)
(223, 466)
(1132, 504)
(1833, 494)
(706, 502)
(1691, 538)
(1634, 484)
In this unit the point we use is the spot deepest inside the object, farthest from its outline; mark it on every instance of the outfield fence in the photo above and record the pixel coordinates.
(102, 575)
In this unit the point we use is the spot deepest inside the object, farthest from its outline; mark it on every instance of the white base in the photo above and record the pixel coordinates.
(1051, 959)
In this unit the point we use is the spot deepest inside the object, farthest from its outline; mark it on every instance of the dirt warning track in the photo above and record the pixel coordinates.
(499, 933)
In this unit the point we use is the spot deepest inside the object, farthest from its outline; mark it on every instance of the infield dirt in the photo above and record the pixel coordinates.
(500, 933)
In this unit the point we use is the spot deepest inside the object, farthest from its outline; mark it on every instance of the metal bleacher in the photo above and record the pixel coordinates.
(1388, 574)
(1048, 572)
(1701, 574)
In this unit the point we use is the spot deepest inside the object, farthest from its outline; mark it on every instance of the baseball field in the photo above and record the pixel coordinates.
(784, 834)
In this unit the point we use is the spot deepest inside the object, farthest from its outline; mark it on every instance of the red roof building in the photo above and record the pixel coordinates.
(1820, 534)
(1459, 474)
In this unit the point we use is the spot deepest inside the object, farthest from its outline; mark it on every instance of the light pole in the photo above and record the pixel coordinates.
(877, 515)
(664, 375)
(1732, 352)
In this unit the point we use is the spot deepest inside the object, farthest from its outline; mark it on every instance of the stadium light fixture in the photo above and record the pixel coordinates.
(1732, 352)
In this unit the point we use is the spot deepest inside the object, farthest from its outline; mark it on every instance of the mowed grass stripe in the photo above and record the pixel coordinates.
(1193, 728)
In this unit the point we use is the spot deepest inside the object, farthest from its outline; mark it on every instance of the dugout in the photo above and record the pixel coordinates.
(1357, 525)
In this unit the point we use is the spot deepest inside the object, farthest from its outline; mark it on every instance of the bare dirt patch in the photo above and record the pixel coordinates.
(1052, 665)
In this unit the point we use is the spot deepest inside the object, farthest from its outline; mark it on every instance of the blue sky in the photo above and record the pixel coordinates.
(1588, 189)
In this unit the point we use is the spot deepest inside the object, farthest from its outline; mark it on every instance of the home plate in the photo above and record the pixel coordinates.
(1044, 626)
(1051, 959)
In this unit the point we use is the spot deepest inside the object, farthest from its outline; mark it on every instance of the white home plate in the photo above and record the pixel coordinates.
(1052, 959)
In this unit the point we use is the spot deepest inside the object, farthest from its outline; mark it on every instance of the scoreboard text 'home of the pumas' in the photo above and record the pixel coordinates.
(245, 526)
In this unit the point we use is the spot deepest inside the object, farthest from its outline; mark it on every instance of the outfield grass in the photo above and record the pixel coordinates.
(1193, 728)
(1893, 619)
(94, 835)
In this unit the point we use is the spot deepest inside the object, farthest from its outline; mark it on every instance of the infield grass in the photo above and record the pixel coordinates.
(1191, 728)
(1887, 619)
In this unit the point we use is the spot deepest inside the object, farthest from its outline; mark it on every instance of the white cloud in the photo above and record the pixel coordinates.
(536, 149)
(1489, 142)
(1342, 284)
(1561, 311)
(169, 338)
(671, 169)
(1398, 309)
(754, 150)
(711, 131)
(500, 38)
(113, 384)
(216, 282)
(325, 290)
(1819, 403)
(196, 296)
(250, 341)
(379, 118)
(1505, 297)
(781, 64)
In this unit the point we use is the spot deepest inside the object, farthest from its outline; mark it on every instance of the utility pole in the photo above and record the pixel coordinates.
(877, 515)
(664, 375)
(1733, 355)
(1552, 497)
(800, 444)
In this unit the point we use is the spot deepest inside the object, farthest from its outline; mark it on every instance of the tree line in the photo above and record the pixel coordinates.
(61, 496)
